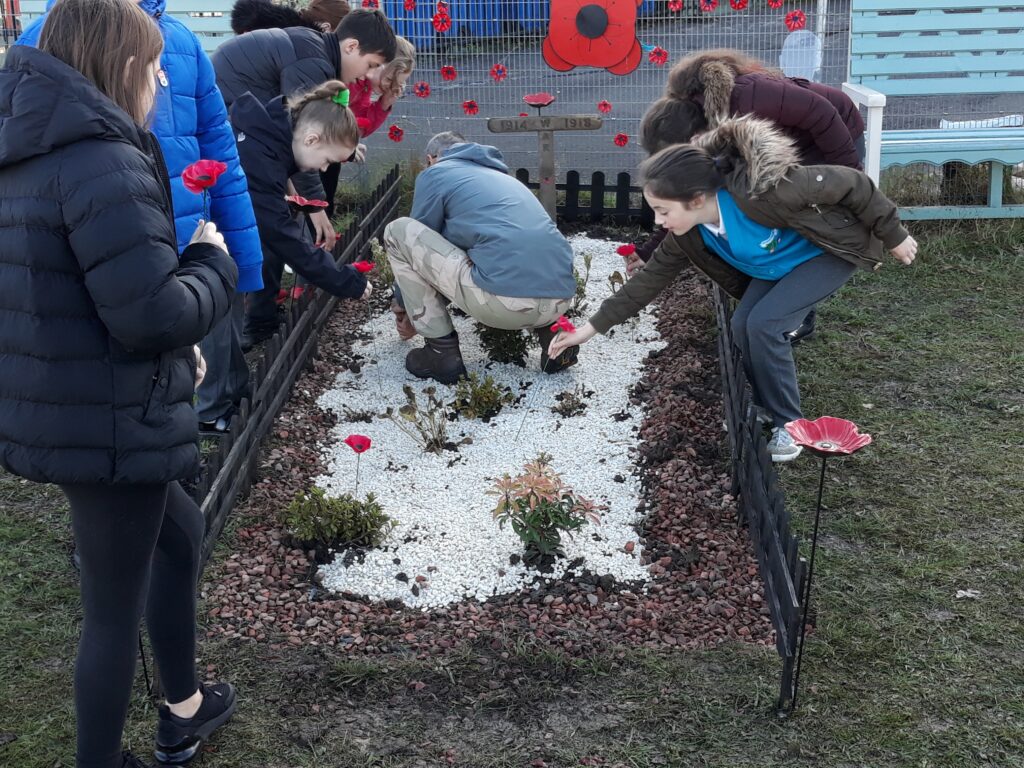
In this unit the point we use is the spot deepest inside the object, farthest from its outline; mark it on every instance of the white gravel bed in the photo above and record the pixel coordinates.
(446, 533)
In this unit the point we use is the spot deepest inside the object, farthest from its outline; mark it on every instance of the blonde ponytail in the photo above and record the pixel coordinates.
(325, 106)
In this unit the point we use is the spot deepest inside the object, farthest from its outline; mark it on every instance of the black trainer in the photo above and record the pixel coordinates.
(178, 740)
(570, 355)
(128, 760)
(805, 329)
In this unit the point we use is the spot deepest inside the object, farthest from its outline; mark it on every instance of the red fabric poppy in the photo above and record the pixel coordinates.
(539, 100)
(421, 89)
(658, 56)
(604, 106)
(738, 5)
(395, 133)
(299, 204)
(362, 267)
(470, 107)
(371, 3)
(563, 323)
(410, 5)
(708, 5)
(796, 20)
(621, 139)
(448, 72)
(675, 5)
(202, 175)
(524, 114)
(442, 22)
(593, 33)
(627, 249)
(775, 4)
(358, 443)
(498, 72)
(828, 436)
(442, 6)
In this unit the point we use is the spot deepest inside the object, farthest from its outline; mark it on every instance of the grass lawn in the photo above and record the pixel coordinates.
(900, 672)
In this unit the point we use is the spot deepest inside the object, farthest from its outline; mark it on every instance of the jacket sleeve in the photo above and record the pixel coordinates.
(641, 289)
(118, 227)
(793, 106)
(283, 235)
(856, 192)
(372, 118)
(301, 75)
(231, 208)
(428, 202)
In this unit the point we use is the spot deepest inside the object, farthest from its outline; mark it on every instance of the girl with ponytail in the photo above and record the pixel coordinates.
(276, 140)
(777, 236)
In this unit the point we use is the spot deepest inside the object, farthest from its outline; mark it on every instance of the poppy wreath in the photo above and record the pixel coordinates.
(593, 33)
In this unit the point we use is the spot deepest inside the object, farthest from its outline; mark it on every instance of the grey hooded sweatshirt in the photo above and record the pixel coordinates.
(516, 250)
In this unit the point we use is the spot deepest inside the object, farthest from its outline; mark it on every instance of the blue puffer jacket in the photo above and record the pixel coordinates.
(191, 123)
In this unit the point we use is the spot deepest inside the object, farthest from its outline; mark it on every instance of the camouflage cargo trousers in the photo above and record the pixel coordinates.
(431, 272)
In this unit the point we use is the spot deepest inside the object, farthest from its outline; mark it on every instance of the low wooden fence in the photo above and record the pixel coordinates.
(620, 201)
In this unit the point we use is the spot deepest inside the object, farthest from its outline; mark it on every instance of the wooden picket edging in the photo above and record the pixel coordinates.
(622, 211)
(230, 470)
(762, 505)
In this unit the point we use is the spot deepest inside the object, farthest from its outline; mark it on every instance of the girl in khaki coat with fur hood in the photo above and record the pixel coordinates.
(777, 236)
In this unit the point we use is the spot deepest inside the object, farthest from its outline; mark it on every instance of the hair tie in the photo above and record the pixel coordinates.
(341, 97)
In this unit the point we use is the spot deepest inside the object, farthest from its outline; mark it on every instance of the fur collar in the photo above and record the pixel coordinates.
(751, 148)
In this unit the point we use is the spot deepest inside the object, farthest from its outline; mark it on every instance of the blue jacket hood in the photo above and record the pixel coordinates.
(481, 154)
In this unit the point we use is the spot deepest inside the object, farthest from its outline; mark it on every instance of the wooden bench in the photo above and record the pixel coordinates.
(956, 49)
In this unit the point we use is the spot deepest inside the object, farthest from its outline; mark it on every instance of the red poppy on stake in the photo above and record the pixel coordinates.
(498, 72)
(410, 5)
(738, 5)
(199, 177)
(708, 5)
(448, 72)
(604, 106)
(421, 89)
(470, 107)
(627, 249)
(539, 100)
(621, 139)
(442, 6)
(675, 5)
(658, 56)
(563, 323)
(593, 33)
(299, 204)
(442, 22)
(524, 114)
(796, 20)
(359, 444)
(395, 133)
(828, 436)
(362, 267)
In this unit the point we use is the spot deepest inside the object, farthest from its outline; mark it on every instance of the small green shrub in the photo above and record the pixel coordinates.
(504, 346)
(476, 399)
(380, 257)
(317, 521)
(426, 423)
(579, 300)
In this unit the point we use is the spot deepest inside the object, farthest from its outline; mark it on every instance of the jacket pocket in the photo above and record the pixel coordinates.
(836, 217)
(157, 386)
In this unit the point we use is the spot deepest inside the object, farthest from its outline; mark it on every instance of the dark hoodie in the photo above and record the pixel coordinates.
(97, 315)
(264, 134)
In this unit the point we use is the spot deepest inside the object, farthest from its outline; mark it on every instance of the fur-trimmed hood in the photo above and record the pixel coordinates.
(752, 152)
(708, 83)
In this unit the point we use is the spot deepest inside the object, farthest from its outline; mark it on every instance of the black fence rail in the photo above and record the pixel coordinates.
(621, 202)
(762, 506)
(230, 469)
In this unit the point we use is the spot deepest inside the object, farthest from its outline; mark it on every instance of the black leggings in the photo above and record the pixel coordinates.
(140, 547)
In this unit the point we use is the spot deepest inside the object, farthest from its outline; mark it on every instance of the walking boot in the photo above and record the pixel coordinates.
(569, 356)
(440, 360)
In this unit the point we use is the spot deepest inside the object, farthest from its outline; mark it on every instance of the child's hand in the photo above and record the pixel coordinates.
(200, 365)
(368, 291)
(359, 156)
(324, 233)
(906, 251)
(633, 263)
(207, 233)
(563, 340)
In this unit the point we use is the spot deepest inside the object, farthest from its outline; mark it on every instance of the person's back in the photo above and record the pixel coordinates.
(516, 249)
(253, 62)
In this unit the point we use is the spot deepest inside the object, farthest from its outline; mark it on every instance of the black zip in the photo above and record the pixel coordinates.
(165, 180)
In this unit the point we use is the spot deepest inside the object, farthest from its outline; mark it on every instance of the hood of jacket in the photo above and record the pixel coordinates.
(45, 105)
(267, 124)
(481, 154)
(708, 83)
(752, 153)
(247, 15)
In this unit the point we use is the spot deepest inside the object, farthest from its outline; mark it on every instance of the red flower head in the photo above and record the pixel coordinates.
(621, 139)
(442, 6)
(796, 20)
(539, 100)
(362, 267)
(524, 114)
(593, 33)
(498, 72)
(470, 107)
(738, 5)
(299, 204)
(442, 22)
(448, 72)
(202, 175)
(410, 5)
(775, 4)
(358, 443)
(395, 133)
(658, 56)
(708, 5)
(828, 436)
(421, 89)
(563, 323)
(628, 249)
(675, 5)
(371, 3)
(604, 106)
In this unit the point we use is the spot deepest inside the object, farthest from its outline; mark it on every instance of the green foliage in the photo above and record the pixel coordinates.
(380, 257)
(324, 522)
(504, 346)
(540, 507)
(476, 399)
(579, 301)
(426, 423)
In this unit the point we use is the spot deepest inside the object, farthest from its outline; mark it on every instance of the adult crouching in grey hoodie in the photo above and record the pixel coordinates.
(479, 239)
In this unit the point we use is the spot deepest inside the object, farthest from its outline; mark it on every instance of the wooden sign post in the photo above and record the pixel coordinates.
(545, 128)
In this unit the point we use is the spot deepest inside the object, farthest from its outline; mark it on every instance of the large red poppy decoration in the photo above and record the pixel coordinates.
(593, 33)
(828, 436)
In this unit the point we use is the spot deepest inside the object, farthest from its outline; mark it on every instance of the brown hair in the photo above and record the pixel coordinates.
(403, 63)
(670, 121)
(317, 106)
(99, 38)
(684, 78)
(683, 171)
(325, 14)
